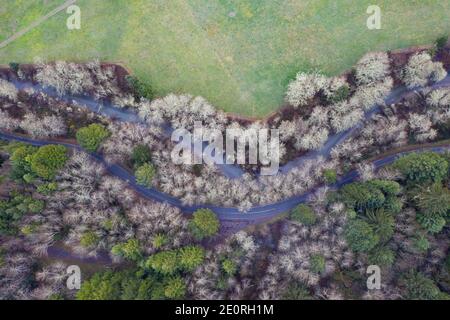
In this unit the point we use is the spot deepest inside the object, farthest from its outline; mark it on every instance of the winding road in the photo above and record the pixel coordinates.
(266, 211)
(231, 171)
(224, 213)
(395, 96)
(125, 115)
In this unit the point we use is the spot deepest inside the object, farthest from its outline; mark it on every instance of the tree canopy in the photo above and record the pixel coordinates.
(165, 262)
(122, 285)
(204, 223)
(13, 209)
(47, 160)
(304, 214)
(144, 174)
(130, 250)
(422, 167)
(91, 137)
(191, 257)
(360, 235)
(141, 155)
(171, 261)
(419, 287)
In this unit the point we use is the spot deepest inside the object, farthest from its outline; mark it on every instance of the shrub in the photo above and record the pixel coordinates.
(144, 174)
(433, 200)
(89, 239)
(341, 94)
(34, 205)
(28, 229)
(102, 286)
(433, 224)
(360, 236)
(296, 291)
(204, 224)
(191, 257)
(422, 167)
(20, 165)
(121, 285)
(393, 205)
(304, 214)
(421, 243)
(382, 224)
(175, 288)
(351, 213)
(171, 261)
(140, 88)
(130, 250)
(382, 256)
(362, 196)
(91, 137)
(13, 209)
(165, 262)
(47, 188)
(229, 267)
(47, 160)
(159, 240)
(419, 287)
(441, 42)
(389, 188)
(141, 155)
(14, 66)
(330, 176)
(317, 263)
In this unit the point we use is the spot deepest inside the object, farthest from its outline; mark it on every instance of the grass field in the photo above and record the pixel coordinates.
(239, 54)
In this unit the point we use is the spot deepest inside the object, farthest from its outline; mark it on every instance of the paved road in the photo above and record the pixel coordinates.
(259, 212)
(394, 97)
(229, 170)
(224, 213)
(120, 114)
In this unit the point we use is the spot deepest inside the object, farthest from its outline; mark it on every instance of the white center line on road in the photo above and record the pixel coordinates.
(37, 23)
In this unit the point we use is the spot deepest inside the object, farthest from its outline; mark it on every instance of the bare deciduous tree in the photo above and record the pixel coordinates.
(8, 90)
(372, 68)
(421, 70)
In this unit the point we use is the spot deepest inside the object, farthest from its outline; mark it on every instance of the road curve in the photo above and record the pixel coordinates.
(231, 171)
(224, 213)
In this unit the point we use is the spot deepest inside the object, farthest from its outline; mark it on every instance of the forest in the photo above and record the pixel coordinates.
(86, 179)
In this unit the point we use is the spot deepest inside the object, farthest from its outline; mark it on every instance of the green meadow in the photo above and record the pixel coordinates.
(239, 54)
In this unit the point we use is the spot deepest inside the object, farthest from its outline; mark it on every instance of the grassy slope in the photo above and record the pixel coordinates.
(17, 14)
(241, 63)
